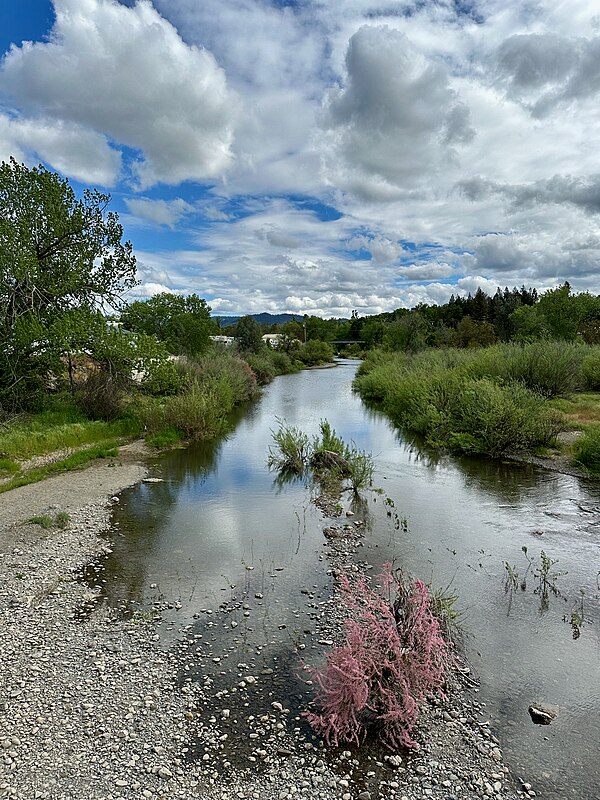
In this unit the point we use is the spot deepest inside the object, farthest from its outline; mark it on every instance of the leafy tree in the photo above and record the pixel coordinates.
(322, 329)
(293, 330)
(248, 334)
(315, 352)
(474, 333)
(408, 332)
(557, 308)
(182, 323)
(529, 324)
(373, 331)
(61, 259)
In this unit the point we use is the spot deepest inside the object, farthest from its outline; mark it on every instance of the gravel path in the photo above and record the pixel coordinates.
(92, 707)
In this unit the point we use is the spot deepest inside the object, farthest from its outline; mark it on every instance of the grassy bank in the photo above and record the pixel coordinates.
(195, 405)
(493, 401)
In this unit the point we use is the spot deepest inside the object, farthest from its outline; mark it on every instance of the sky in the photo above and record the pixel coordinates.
(321, 156)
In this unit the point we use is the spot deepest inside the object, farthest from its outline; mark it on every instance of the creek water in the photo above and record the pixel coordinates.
(219, 528)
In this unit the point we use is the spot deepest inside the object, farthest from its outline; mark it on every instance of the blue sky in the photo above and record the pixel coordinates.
(319, 157)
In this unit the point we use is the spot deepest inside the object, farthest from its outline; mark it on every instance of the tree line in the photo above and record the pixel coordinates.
(517, 314)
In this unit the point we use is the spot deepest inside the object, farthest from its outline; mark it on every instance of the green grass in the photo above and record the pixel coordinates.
(59, 429)
(8, 467)
(586, 449)
(581, 409)
(74, 461)
(45, 521)
(169, 437)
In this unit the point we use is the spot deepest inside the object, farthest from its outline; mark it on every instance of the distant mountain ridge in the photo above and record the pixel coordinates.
(263, 319)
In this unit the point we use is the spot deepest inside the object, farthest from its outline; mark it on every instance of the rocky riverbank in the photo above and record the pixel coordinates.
(95, 707)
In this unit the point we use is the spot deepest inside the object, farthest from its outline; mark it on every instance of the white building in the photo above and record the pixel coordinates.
(272, 339)
(225, 340)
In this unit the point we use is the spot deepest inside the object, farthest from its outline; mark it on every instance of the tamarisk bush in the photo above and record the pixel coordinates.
(394, 656)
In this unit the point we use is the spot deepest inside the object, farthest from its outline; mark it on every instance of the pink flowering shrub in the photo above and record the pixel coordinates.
(394, 656)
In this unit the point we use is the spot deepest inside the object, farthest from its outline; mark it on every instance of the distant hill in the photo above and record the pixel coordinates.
(262, 319)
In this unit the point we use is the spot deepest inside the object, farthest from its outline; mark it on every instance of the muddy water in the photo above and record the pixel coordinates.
(222, 543)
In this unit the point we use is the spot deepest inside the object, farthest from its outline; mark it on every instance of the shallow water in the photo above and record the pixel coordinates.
(218, 531)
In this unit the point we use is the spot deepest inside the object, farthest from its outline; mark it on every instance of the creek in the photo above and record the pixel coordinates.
(219, 528)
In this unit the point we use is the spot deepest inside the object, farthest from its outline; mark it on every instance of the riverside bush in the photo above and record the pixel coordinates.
(393, 657)
(262, 366)
(468, 402)
(587, 448)
(315, 352)
(549, 368)
(214, 384)
(102, 396)
(269, 363)
(198, 413)
(220, 366)
(590, 367)
(498, 419)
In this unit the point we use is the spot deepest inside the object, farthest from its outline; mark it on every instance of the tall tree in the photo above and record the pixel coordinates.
(61, 259)
(249, 335)
(182, 323)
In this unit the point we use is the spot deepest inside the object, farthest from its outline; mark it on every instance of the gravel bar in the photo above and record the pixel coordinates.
(93, 707)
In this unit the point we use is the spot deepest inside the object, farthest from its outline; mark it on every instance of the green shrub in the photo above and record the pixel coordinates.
(221, 366)
(375, 358)
(282, 362)
(43, 520)
(291, 451)
(102, 396)
(551, 369)
(329, 440)
(361, 469)
(467, 400)
(262, 366)
(315, 352)
(212, 386)
(500, 419)
(163, 378)
(587, 448)
(197, 413)
(590, 367)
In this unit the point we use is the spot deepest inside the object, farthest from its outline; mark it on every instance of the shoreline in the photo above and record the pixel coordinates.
(93, 707)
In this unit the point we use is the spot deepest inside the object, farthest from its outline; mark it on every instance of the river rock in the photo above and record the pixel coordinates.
(542, 714)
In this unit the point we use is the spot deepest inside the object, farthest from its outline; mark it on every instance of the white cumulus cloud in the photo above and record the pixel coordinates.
(71, 149)
(396, 118)
(127, 74)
